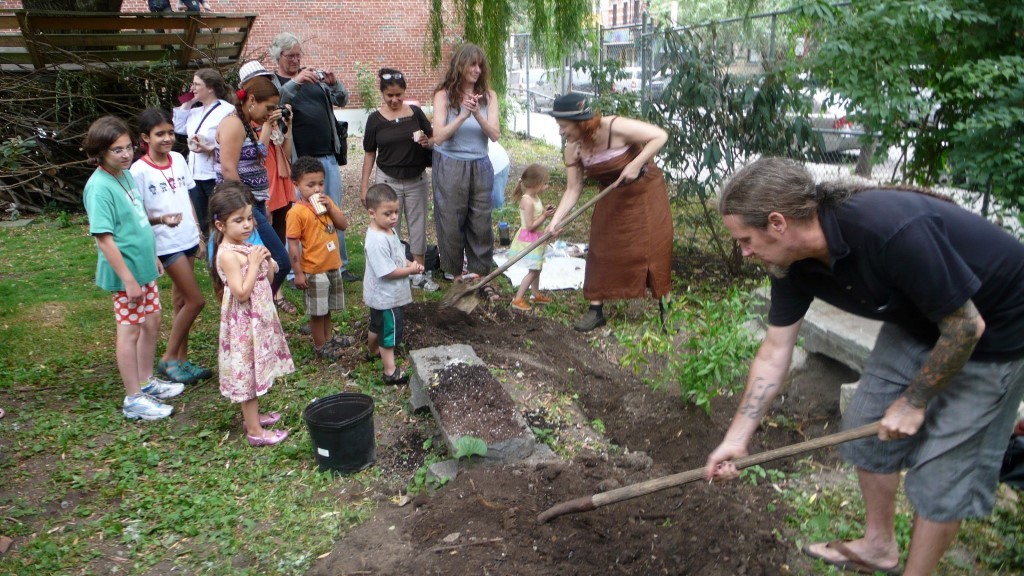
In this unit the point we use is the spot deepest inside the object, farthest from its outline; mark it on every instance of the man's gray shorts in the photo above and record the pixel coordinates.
(953, 461)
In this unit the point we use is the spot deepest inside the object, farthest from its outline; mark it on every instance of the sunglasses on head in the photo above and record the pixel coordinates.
(395, 76)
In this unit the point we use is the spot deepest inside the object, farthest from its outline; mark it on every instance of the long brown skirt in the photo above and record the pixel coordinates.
(631, 242)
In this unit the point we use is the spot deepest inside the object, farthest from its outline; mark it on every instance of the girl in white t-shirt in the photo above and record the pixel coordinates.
(164, 180)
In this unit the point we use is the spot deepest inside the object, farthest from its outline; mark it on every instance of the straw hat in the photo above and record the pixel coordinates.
(251, 70)
(572, 107)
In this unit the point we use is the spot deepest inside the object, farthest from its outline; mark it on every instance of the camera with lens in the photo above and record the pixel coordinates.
(320, 75)
(286, 113)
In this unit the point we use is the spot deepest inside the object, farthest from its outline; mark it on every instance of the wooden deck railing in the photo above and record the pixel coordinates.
(41, 39)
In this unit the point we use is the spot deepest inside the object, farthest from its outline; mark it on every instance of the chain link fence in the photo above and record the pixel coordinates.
(643, 66)
(644, 74)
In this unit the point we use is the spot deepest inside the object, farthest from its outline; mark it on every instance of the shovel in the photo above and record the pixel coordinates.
(588, 503)
(464, 297)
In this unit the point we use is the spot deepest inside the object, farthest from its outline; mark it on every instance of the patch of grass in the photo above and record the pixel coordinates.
(826, 504)
(86, 491)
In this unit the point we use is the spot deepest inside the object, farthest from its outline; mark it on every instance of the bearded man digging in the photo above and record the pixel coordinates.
(947, 372)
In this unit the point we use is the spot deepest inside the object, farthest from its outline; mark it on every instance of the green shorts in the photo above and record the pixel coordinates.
(388, 325)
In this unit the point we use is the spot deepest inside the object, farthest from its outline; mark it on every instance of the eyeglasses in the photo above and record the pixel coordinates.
(396, 76)
(295, 56)
(198, 85)
(119, 150)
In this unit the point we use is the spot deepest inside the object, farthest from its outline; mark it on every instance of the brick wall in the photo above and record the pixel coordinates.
(337, 35)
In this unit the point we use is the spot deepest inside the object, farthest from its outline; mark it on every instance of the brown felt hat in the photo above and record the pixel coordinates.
(572, 107)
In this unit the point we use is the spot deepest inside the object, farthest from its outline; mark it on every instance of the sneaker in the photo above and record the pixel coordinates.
(327, 352)
(347, 276)
(424, 282)
(589, 321)
(449, 276)
(339, 341)
(520, 304)
(162, 389)
(175, 371)
(200, 372)
(542, 299)
(145, 407)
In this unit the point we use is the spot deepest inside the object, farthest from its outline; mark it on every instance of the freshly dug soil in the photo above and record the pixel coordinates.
(484, 521)
(474, 403)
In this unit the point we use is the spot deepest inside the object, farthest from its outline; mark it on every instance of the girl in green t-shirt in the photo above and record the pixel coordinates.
(127, 266)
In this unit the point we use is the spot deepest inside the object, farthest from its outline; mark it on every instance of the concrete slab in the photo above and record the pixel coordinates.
(20, 223)
(839, 335)
(515, 443)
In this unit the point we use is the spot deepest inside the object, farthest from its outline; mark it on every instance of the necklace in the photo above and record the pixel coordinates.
(328, 225)
(118, 180)
(172, 182)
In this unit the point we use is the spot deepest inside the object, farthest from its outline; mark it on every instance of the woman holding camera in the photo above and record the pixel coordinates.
(197, 119)
(241, 156)
(279, 168)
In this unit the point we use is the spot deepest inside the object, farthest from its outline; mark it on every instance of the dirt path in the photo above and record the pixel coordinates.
(484, 521)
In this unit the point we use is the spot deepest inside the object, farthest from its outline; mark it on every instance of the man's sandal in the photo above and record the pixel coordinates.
(850, 561)
(490, 293)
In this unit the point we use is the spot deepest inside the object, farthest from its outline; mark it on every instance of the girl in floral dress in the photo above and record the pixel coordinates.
(253, 350)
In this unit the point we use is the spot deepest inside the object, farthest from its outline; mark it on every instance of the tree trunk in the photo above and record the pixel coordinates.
(867, 152)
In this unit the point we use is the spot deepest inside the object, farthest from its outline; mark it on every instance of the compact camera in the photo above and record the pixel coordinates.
(320, 75)
(286, 113)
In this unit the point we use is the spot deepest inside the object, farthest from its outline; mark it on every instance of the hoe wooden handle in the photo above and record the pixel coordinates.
(588, 503)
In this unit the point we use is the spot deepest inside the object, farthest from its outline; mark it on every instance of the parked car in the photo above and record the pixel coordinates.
(517, 81)
(658, 83)
(829, 120)
(631, 83)
(553, 83)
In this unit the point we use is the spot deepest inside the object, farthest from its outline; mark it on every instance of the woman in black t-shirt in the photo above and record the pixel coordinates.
(398, 140)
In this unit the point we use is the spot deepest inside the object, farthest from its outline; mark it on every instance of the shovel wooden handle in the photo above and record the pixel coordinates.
(588, 503)
(544, 238)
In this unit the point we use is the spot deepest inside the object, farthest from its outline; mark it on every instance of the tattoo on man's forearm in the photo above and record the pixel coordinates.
(957, 339)
(754, 403)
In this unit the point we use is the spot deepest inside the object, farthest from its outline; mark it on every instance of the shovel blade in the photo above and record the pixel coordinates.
(461, 298)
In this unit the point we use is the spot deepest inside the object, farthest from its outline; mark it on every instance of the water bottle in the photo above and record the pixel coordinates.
(503, 237)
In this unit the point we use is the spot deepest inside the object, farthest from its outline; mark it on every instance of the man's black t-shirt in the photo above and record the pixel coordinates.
(912, 259)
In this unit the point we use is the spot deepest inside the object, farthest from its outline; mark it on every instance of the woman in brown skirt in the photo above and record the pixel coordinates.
(631, 229)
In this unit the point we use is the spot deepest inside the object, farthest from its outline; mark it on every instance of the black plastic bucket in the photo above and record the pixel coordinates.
(341, 428)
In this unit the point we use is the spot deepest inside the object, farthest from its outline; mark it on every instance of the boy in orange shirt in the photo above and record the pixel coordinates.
(312, 231)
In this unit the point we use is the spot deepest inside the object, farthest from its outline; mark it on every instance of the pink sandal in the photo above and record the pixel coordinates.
(276, 437)
(268, 419)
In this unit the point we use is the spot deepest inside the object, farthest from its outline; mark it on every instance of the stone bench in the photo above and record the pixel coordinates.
(844, 337)
(517, 440)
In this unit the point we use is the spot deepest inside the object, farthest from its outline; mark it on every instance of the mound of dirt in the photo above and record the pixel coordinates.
(484, 522)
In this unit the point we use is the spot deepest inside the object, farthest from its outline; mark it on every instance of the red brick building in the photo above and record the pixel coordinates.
(337, 36)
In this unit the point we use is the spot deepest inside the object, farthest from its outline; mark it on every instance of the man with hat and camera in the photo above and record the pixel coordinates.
(313, 94)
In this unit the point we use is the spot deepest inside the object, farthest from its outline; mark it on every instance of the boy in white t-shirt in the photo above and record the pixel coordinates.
(385, 282)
